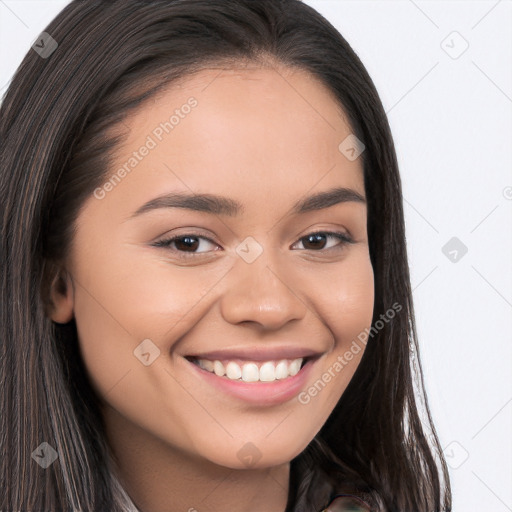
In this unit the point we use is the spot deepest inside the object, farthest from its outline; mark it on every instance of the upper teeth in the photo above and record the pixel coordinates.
(251, 372)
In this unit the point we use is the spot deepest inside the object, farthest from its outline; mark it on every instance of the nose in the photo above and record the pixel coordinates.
(262, 295)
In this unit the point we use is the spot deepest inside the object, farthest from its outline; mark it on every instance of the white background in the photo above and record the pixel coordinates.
(451, 117)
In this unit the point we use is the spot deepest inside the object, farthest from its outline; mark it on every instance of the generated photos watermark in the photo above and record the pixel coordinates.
(343, 360)
(152, 141)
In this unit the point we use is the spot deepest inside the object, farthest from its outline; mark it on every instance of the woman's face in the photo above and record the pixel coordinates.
(230, 163)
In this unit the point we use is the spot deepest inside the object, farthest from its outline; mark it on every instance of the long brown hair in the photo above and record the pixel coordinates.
(57, 137)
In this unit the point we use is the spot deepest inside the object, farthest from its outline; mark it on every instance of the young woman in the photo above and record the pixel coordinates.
(205, 298)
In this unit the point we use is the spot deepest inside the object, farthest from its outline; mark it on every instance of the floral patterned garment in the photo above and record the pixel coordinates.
(347, 503)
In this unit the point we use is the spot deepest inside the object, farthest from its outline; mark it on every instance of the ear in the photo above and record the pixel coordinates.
(61, 294)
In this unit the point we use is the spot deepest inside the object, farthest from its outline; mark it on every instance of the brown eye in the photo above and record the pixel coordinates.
(318, 241)
(186, 245)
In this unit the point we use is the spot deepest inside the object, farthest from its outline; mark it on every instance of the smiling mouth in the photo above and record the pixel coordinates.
(251, 371)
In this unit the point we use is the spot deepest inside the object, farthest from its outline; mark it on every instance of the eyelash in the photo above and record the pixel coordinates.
(342, 237)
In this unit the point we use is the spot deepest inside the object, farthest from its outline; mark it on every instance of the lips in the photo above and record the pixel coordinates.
(256, 392)
(261, 376)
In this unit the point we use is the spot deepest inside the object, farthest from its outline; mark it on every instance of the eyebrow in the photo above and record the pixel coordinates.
(219, 205)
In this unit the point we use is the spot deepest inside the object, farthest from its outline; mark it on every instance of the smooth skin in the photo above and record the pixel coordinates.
(265, 138)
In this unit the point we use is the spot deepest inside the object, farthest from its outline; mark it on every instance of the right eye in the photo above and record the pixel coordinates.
(185, 245)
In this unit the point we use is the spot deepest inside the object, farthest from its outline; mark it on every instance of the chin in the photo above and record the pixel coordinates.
(257, 454)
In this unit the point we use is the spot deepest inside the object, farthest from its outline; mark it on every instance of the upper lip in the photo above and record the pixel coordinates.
(258, 353)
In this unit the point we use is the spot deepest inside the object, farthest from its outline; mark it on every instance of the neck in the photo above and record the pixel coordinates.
(162, 478)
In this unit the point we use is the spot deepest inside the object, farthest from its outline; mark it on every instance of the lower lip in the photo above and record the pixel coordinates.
(258, 393)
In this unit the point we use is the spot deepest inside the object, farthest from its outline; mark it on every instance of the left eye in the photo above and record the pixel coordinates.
(318, 238)
(189, 244)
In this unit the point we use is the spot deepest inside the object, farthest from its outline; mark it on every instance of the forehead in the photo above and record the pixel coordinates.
(256, 134)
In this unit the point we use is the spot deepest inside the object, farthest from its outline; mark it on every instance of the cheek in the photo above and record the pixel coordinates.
(346, 309)
(118, 305)
(142, 296)
(350, 318)
(347, 306)
(119, 309)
